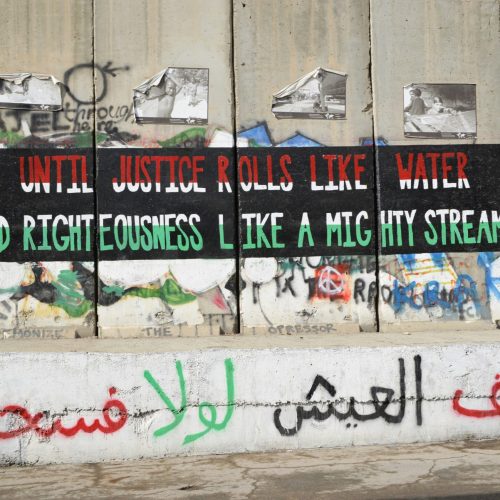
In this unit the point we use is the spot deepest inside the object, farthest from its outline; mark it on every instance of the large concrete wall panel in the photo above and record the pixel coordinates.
(45, 294)
(276, 43)
(55, 38)
(438, 42)
(166, 293)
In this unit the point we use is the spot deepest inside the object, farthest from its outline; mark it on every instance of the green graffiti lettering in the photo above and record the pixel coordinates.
(197, 239)
(410, 235)
(387, 235)
(177, 413)
(367, 233)
(484, 227)
(4, 235)
(348, 243)
(102, 245)
(28, 243)
(261, 237)
(210, 423)
(330, 230)
(431, 236)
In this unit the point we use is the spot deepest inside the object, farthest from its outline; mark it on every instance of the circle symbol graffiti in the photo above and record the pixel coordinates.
(90, 72)
(330, 281)
(84, 72)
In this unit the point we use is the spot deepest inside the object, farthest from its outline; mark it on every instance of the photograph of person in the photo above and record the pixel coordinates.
(30, 91)
(321, 94)
(175, 96)
(440, 110)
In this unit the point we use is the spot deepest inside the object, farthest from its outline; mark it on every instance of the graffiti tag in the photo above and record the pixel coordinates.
(114, 414)
(469, 412)
(178, 413)
(380, 405)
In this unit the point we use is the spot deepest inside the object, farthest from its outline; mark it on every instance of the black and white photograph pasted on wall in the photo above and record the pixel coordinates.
(30, 91)
(174, 95)
(321, 94)
(440, 110)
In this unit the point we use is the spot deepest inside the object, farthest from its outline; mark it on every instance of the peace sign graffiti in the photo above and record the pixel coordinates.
(330, 281)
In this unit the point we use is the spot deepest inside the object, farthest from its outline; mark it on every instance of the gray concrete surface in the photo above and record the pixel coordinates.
(453, 470)
(48, 36)
(450, 41)
(147, 36)
(175, 344)
(275, 43)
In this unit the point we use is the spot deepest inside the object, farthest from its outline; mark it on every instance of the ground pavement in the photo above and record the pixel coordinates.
(446, 471)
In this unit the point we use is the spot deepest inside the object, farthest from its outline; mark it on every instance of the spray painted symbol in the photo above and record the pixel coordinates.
(95, 72)
(330, 281)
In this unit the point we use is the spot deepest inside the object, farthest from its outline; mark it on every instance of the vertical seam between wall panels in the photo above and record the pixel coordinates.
(94, 154)
(375, 166)
(235, 162)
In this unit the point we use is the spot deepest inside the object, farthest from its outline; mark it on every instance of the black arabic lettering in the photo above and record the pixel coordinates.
(381, 398)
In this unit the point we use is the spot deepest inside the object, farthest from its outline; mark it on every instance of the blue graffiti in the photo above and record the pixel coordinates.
(409, 260)
(485, 259)
(435, 296)
(465, 290)
(403, 295)
(462, 292)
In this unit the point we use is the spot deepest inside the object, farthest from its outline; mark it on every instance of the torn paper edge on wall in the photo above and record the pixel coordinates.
(44, 102)
(142, 91)
(290, 89)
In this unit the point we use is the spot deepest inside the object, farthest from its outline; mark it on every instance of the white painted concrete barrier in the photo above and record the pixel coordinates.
(95, 406)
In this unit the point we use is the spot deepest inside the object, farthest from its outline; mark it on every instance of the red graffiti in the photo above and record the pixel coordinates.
(31, 422)
(331, 282)
(495, 412)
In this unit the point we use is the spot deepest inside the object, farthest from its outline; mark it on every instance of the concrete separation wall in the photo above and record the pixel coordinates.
(258, 167)
(450, 43)
(96, 406)
(52, 37)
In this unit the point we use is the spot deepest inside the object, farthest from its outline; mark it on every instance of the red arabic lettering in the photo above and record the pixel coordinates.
(23, 413)
(495, 412)
(32, 421)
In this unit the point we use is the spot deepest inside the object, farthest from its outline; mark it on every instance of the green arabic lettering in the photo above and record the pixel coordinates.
(212, 422)
(177, 413)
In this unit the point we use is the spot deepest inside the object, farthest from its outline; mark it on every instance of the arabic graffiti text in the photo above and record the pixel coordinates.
(380, 404)
(21, 421)
(477, 413)
(210, 423)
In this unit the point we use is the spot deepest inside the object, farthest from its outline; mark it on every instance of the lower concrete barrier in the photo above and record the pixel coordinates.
(133, 399)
